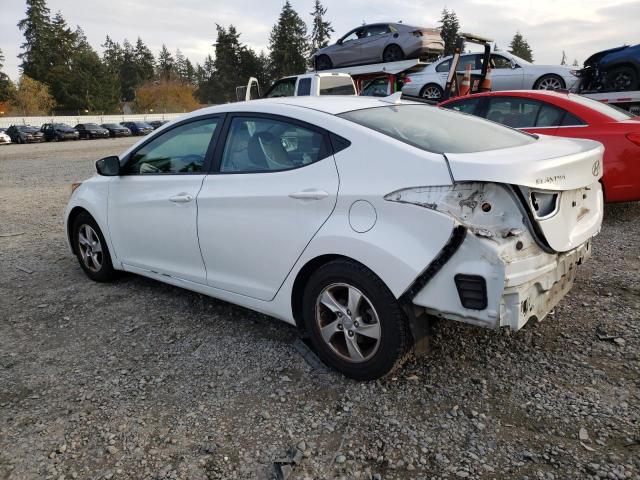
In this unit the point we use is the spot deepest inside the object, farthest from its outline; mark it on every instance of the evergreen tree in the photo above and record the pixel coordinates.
(321, 30)
(189, 73)
(92, 85)
(575, 62)
(226, 66)
(449, 30)
(59, 76)
(112, 54)
(5, 82)
(520, 48)
(564, 58)
(166, 65)
(180, 65)
(36, 27)
(288, 44)
(145, 62)
(128, 73)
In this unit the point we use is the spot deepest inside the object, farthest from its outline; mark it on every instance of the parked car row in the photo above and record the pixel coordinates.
(57, 132)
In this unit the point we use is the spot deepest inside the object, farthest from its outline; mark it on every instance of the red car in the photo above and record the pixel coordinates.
(569, 115)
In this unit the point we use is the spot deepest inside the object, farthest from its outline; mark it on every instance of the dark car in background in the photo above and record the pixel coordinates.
(91, 130)
(156, 124)
(116, 130)
(25, 134)
(612, 70)
(138, 128)
(55, 132)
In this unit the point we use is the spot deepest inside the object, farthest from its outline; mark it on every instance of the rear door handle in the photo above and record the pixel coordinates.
(310, 194)
(181, 198)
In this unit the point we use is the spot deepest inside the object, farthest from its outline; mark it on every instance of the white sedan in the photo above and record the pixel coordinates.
(4, 138)
(508, 72)
(348, 216)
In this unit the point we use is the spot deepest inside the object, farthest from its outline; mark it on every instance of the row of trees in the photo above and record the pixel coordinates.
(60, 65)
(71, 74)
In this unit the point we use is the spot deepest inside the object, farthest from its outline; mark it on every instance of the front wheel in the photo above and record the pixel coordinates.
(549, 82)
(355, 323)
(622, 79)
(323, 62)
(91, 249)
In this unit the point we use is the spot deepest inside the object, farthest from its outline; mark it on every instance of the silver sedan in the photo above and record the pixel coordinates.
(380, 42)
(508, 72)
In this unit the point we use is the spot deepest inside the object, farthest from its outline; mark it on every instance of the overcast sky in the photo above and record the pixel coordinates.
(579, 27)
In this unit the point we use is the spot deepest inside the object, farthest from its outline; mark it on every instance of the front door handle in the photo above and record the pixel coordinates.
(310, 194)
(181, 198)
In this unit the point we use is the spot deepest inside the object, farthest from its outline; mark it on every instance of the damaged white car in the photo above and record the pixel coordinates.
(349, 217)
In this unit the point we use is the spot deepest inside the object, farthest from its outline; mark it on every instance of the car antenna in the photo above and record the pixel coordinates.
(394, 98)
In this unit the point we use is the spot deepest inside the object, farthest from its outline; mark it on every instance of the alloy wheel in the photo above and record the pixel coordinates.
(550, 83)
(90, 248)
(621, 81)
(431, 93)
(348, 322)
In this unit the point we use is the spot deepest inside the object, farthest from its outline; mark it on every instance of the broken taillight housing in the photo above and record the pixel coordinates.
(634, 138)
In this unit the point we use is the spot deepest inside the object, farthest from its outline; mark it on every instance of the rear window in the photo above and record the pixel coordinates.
(438, 130)
(611, 111)
(336, 85)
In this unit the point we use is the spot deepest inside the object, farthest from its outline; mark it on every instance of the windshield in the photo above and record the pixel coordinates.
(62, 126)
(141, 125)
(27, 128)
(111, 125)
(611, 111)
(91, 125)
(438, 130)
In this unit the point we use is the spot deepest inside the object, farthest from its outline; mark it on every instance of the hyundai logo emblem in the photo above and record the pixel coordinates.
(596, 168)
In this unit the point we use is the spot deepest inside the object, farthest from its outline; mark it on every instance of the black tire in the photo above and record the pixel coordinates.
(395, 338)
(393, 53)
(323, 62)
(432, 87)
(106, 272)
(622, 79)
(20, 140)
(550, 79)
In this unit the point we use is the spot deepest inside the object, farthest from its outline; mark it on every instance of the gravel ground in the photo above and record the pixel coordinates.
(138, 379)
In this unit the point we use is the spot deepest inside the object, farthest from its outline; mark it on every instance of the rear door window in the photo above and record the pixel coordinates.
(336, 85)
(465, 106)
(513, 111)
(304, 87)
(549, 116)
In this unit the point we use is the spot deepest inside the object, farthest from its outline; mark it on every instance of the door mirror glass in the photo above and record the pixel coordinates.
(108, 166)
(339, 42)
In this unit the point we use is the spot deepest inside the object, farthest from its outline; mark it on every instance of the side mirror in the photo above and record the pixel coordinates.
(108, 166)
(514, 64)
(339, 42)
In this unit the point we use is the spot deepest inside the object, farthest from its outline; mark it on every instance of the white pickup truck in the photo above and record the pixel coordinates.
(308, 84)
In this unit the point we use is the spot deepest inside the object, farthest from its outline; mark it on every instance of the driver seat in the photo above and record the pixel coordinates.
(267, 153)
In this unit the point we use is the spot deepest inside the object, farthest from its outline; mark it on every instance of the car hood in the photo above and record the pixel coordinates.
(597, 56)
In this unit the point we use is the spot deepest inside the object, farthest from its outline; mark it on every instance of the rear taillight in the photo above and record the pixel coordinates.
(406, 80)
(634, 138)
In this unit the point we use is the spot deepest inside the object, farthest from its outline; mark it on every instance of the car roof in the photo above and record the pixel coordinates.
(331, 104)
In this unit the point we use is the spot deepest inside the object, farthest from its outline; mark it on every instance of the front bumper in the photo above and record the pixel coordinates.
(34, 140)
(520, 284)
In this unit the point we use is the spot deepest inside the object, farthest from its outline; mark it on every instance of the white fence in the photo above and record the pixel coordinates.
(74, 120)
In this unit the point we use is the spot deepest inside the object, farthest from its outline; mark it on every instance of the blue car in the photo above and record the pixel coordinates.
(138, 128)
(613, 70)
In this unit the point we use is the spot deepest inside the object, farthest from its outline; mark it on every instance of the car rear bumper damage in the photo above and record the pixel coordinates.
(482, 285)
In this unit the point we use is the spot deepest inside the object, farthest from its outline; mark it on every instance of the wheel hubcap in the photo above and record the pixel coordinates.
(432, 93)
(90, 248)
(621, 81)
(550, 84)
(347, 322)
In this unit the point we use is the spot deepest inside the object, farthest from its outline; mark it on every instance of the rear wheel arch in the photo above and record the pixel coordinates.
(303, 276)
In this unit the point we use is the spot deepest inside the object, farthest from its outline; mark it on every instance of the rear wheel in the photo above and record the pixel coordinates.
(622, 79)
(393, 53)
(549, 82)
(91, 249)
(355, 323)
(323, 62)
(432, 91)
